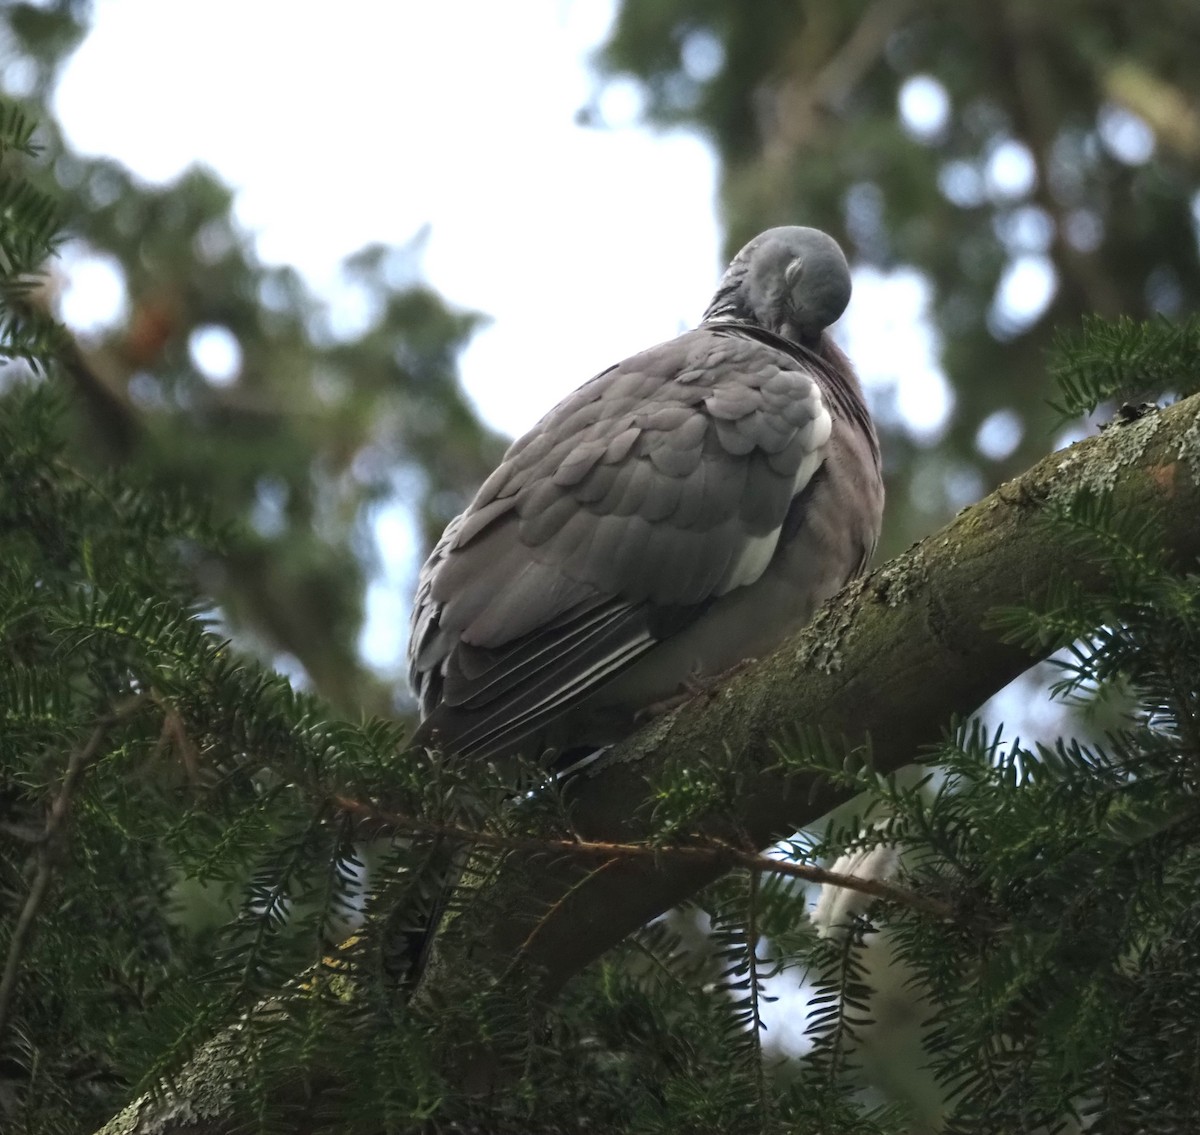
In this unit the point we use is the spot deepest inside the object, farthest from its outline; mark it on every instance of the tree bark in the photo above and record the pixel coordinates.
(882, 669)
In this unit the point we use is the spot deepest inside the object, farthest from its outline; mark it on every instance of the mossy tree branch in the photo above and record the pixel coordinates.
(887, 664)
(890, 661)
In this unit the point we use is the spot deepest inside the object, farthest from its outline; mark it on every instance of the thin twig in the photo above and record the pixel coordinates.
(755, 991)
(723, 853)
(51, 843)
(556, 905)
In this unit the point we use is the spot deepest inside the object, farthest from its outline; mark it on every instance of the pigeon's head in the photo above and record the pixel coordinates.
(793, 281)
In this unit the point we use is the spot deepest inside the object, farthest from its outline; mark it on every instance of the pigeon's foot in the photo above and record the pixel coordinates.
(693, 686)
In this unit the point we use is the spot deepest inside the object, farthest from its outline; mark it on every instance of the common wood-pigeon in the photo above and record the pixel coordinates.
(683, 511)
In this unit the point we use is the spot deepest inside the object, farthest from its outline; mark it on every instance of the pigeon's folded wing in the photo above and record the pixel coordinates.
(653, 490)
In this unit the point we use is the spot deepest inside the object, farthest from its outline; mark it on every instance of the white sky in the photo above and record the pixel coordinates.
(583, 245)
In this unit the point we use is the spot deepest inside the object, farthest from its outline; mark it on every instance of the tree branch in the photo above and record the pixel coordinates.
(888, 661)
(885, 664)
(51, 843)
(720, 854)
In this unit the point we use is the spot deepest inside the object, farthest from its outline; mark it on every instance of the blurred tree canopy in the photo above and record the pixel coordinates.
(997, 148)
(183, 834)
(309, 429)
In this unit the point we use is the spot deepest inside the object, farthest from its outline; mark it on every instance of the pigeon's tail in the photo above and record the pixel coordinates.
(433, 886)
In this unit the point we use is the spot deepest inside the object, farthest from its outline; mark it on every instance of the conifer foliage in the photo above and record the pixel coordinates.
(1044, 905)
(204, 873)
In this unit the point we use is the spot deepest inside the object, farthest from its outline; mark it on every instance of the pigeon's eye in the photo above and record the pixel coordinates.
(793, 272)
